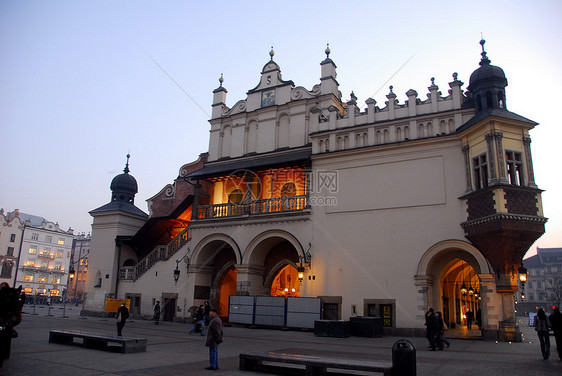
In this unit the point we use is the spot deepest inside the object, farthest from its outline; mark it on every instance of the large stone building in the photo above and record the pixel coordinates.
(543, 287)
(43, 262)
(78, 269)
(11, 230)
(386, 210)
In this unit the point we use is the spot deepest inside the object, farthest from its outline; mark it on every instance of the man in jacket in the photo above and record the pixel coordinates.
(122, 315)
(214, 338)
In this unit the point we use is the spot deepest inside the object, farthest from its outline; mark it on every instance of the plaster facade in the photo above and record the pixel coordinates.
(388, 210)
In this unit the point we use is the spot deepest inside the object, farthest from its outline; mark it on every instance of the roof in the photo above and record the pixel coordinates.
(544, 256)
(35, 220)
(496, 112)
(121, 206)
(251, 163)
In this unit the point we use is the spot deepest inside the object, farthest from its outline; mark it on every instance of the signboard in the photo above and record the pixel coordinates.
(111, 305)
(386, 314)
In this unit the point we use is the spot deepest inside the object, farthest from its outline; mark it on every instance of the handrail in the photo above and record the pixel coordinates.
(270, 205)
(161, 253)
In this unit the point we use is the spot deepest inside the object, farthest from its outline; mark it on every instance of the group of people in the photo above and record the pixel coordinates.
(435, 330)
(543, 325)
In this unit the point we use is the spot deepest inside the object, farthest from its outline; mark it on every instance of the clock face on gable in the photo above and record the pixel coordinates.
(267, 98)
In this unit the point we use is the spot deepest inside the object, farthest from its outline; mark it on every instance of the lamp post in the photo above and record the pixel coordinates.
(523, 279)
(177, 271)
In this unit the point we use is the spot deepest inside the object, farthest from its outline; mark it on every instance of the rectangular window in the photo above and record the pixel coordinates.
(61, 241)
(58, 255)
(10, 251)
(33, 250)
(28, 278)
(514, 165)
(55, 280)
(41, 279)
(30, 263)
(34, 236)
(28, 290)
(480, 168)
(12, 237)
(48, 239)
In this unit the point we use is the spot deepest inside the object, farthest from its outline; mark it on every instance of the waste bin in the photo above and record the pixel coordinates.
(403, 358)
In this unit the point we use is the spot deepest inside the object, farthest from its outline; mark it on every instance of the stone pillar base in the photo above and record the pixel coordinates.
(509, 332)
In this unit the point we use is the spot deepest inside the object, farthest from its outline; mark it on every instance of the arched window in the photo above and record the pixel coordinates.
(236, 196)
(501, 100)
(129, 262)
(288, 190)
(489, 100)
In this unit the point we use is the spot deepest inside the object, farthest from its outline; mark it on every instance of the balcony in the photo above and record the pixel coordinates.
(257, 207)
(46, 256)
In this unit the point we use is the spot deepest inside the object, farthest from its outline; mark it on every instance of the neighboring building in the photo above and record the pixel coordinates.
(11, 230)
(44, 258)
(389, 210)
(543, 288)
(78, 270)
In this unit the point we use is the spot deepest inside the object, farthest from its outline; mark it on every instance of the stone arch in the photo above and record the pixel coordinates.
(252, 256)
(201, 250)
(439, 259)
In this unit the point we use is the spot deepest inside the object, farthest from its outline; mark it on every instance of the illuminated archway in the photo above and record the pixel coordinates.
(286, 282)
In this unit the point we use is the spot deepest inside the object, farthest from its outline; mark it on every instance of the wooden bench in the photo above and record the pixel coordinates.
(123, 345)
(314, 365)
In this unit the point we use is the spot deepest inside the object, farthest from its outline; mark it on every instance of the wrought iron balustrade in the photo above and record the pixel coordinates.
(265, 206)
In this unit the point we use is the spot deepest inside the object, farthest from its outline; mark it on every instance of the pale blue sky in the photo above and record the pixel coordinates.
(81, 86)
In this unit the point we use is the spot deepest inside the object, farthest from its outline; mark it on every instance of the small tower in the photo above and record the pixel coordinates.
(115, 220)
(124, 186)
(487, 85)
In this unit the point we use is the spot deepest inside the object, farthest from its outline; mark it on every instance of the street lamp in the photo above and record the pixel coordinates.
(522, 274)
(177, 272)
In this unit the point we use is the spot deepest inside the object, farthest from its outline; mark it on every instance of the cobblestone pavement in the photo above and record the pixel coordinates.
(172, 351)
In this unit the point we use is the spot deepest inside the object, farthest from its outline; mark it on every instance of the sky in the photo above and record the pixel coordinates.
(84, 83)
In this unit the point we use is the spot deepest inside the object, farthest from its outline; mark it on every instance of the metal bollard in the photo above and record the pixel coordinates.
(403, 358)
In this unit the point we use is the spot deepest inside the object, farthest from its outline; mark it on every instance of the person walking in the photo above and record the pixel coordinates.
(156, 316)
(207, 310)
(430, 328)
(556, 324)
(542, 326)
(214, 338)
(469, 319)
(121, 317)
(199, 321)
(441, 329)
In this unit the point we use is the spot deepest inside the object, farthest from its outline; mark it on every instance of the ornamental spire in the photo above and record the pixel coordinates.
(126, 169)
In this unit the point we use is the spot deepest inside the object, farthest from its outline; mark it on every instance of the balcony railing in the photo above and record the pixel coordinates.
(267, 206)
(45, 255)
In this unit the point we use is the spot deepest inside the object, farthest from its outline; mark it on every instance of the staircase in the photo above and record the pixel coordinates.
(160, 253)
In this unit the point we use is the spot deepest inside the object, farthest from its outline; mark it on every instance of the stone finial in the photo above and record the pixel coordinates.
(327, 50)
(455, 76)
(221, 80)
(126, 169)
(484, 59)
(271, 53)
(391, 87)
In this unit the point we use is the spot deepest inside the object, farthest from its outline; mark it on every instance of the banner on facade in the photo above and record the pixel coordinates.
(111, 305)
